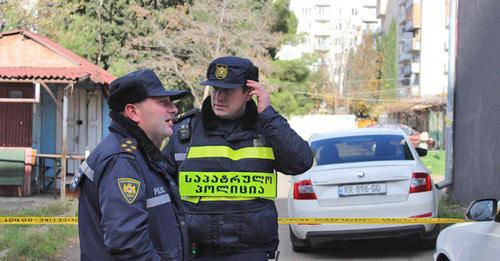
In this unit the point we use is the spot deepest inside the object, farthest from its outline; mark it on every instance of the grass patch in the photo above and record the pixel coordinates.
(435, 161)
(37, 242)
(449, 209)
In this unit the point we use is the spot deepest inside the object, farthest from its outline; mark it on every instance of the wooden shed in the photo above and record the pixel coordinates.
(52, 101)
(423, 114)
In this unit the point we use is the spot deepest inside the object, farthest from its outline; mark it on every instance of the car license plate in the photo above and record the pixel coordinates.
(362, 189)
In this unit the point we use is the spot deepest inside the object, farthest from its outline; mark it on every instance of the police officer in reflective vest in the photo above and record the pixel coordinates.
(129, 207)
(226, 155)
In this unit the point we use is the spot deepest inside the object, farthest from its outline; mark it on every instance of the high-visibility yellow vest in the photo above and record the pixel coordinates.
(214, 173)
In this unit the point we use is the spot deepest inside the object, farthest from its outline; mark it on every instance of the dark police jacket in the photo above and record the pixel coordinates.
(226, 225)
(128, 209)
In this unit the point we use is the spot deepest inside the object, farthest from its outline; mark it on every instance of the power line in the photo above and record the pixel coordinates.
(373, 80)
(347, 98)
(384, 90)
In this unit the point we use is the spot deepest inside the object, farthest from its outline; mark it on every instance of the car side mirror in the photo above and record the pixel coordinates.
(421, 152)
(482, 210)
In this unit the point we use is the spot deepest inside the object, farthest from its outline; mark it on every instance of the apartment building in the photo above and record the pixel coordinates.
(422, 44)
(331, 28)
(422, 53)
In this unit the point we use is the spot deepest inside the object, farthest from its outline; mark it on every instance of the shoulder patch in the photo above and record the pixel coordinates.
(128, 146)
(187, 114)
(129, 188)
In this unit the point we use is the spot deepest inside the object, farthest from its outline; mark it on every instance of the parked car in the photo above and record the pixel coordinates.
(472, 241)
(412, 134)
(369, 172)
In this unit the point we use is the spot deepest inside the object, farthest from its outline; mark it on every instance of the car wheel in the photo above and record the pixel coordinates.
(299, 245)
(428, 241)
(442, 257)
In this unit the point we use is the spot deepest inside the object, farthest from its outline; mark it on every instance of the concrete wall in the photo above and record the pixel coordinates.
(477, 102)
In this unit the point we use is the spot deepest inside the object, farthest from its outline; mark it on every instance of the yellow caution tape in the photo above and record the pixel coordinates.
(317, 221)
(300, 221)
(38, 220)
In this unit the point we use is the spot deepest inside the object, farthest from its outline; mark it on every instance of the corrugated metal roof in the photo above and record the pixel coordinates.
(83, 69)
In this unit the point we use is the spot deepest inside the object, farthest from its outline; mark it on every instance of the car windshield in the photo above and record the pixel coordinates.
(361, 148)
(409, 131)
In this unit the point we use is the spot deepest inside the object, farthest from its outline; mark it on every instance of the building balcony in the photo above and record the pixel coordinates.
(402, 19)
(409, 69)
(322, 18)
(403, 38)
(408, 35)
(411, 45)
(369, 3)
(410, 3)
(322, 47)
(320, 30)
(415, 67)
(382, 9)
(370, 20)
(404, 58)
(412, 25)
(413, 17)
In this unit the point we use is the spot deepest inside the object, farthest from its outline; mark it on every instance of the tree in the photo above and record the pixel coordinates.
(289, 78)
(362, 77)
(389, 67)
(183, 40)
(177, 39)
(284, 22)
(98, 30)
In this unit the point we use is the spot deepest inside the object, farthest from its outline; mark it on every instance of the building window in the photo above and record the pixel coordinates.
(322, 40)
(416, 80)
(320, 10)
(354, 11)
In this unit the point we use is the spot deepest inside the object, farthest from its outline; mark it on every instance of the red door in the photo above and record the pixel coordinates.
(16, 118)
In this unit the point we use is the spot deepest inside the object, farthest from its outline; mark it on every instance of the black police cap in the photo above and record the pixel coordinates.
(230, 72)
(135, 87)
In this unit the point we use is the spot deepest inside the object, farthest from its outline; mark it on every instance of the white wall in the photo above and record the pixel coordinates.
(307, 125)
(433, 58)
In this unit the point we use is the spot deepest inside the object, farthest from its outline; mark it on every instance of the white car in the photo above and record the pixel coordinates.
(472, 241)
(369, 173)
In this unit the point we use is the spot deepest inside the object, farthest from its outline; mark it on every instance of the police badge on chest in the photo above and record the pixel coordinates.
(259, 141)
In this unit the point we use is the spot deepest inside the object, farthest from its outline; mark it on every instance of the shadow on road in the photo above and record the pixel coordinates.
(379, 248)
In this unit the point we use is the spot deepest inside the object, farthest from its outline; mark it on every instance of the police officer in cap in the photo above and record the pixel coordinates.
(129, 207)
(226, 156)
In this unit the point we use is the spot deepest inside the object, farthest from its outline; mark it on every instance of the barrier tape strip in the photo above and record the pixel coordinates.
(299, 221)
(318, 221)
(38, 220)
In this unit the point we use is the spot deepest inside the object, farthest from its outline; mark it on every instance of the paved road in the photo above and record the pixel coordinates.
(363, 250)
(396, 249)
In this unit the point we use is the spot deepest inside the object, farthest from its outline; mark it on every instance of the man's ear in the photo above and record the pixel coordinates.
(248, 97)
(247, 94)
(130, 111)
